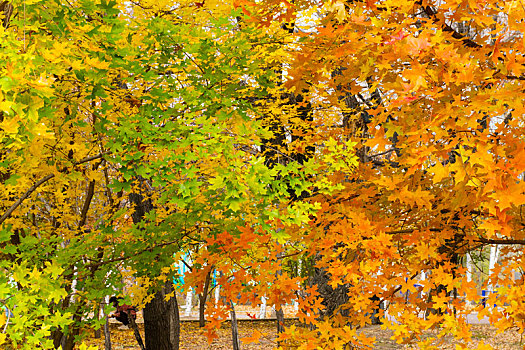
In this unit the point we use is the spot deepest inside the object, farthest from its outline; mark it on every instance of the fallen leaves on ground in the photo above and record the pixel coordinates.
(481, 334)
(193, 338)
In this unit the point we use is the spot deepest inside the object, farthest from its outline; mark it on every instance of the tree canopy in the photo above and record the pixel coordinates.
(310, 150)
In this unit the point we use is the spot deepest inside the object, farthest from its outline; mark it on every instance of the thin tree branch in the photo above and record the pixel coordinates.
(90, 158)
(513, 77)
(39, 183)
(431, 13)
(383, 153)
(87, 203)
(478, 239)
(187, 265)
(24, 196)
(500, 241)
(410, 230)
(122, 258)
(89, 198)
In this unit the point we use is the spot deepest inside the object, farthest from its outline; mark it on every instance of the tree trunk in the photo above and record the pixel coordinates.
(68, 343)
(98, 331)
(161, 317)
(235, 329)
(202, 300)
(7, 8)
(135, 328)
(162, 322)
(279, 315)
(107, 335)
(58, 334)
(333, 298)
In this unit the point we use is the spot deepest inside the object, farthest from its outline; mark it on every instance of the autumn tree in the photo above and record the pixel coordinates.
(127, 137)
(437, 154)
(375, 140)
(428, 95)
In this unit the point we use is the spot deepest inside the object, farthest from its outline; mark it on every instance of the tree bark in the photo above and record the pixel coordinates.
(235, 329)
(161, 317)
(161, 321)
(68, 343)
(136, 332)
(202, 299)
(279, 315)
(107, 335)
(7, 8)
(175, 320)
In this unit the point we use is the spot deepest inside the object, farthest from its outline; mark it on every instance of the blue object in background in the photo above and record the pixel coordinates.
(8, 312)
(418, 287)
(182, 269)
(485, 294)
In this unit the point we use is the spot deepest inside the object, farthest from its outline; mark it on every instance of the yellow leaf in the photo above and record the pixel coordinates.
(483, 346)
(341, 11)
(5, 106)
(43, 83)
(339, 8)
(10, 126)
(439, 172)
(93, 62)
(83, 346)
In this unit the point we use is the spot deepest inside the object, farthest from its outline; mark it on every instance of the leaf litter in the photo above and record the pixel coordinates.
(194, 338)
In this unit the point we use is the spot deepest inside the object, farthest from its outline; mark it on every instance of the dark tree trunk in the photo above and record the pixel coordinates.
(107, 335)
(135, 328)
(202, 300)
(333, 298)
(69, 341)
(279, 316)
(175, 320)
(161, 321)
(355, 124)
(279, 313)
(235, 329)
(161, 317)
(58, 334)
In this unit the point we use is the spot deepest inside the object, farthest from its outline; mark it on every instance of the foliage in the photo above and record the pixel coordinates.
(106, 100)
(431, 94)
(370, 141)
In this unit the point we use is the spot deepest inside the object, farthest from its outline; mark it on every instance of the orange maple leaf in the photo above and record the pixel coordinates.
(254, 338)
(416, 45)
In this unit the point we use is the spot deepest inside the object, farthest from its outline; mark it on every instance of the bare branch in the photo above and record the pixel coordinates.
(410, 230)
(478, 239)
(500, 241)
(122, 258)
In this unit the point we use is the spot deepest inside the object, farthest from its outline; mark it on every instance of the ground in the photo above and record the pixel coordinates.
(193, 339)
(485, 333)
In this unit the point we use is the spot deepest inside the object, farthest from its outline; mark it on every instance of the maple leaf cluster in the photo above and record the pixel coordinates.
(355, 157)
